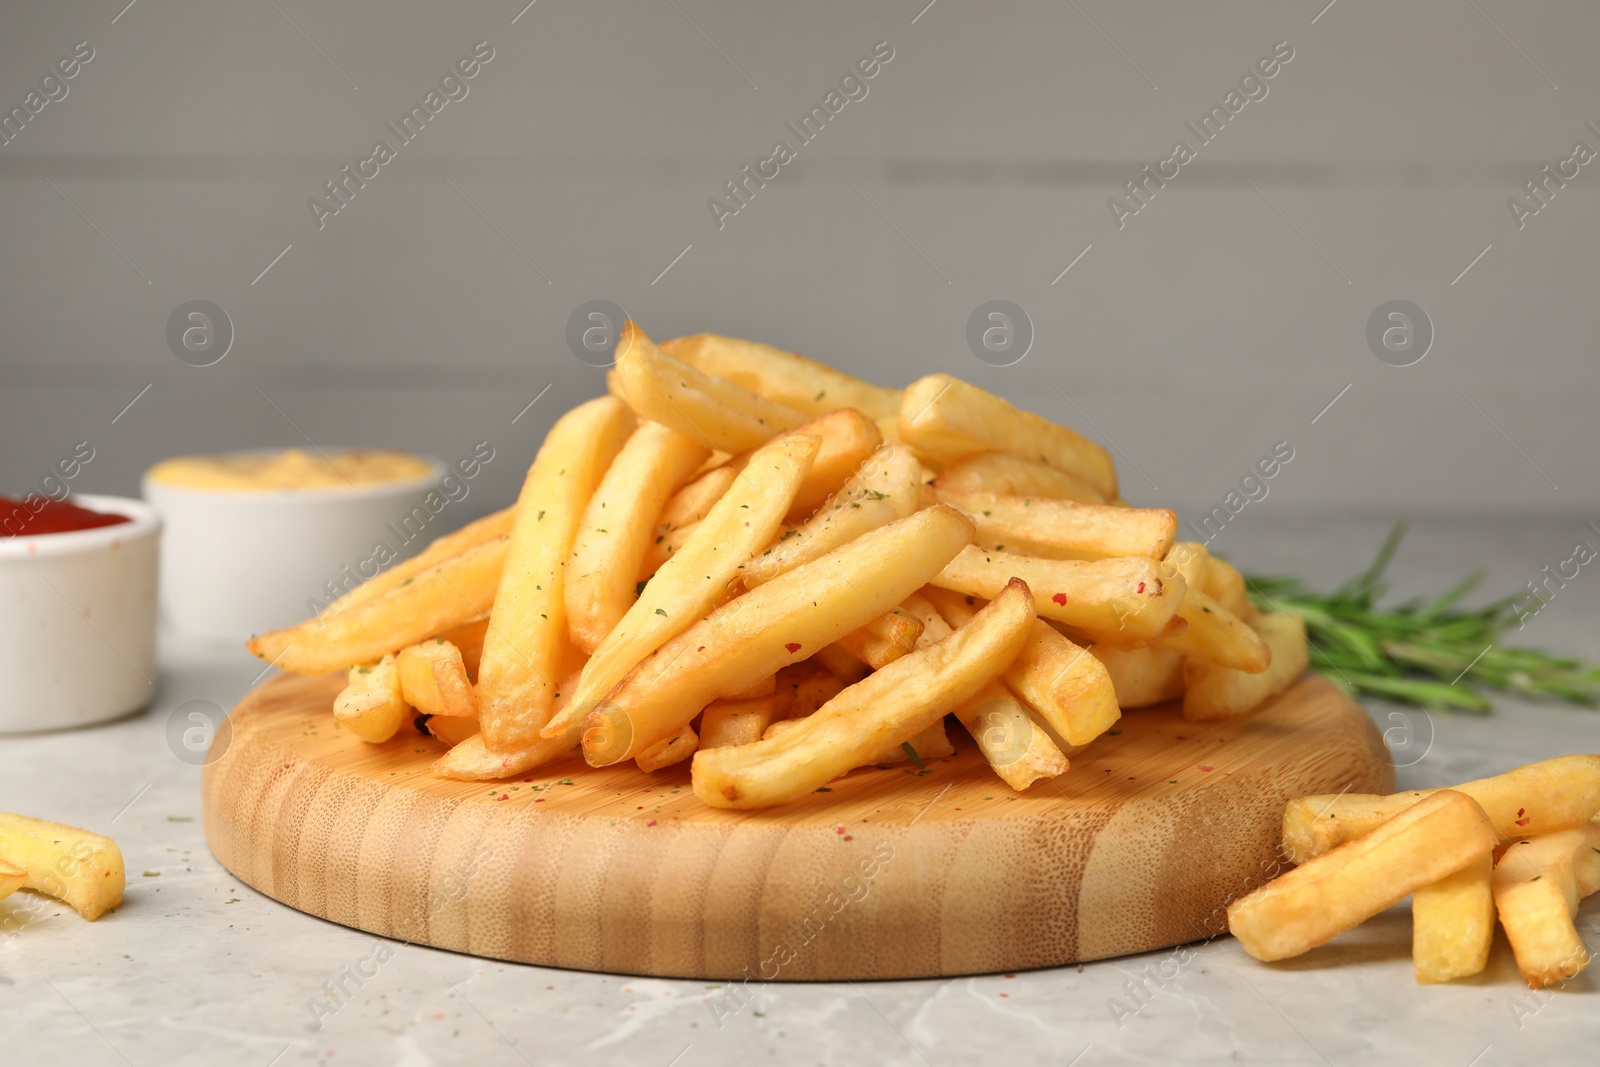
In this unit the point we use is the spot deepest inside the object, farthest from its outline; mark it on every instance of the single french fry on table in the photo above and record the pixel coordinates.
(528, 624)
(714, 411)
(371, 705)
(949, 419)
(1212, 692)
(1452, 923)
(433, 680)
(786, 377)
(691, 583)
(1144, 675)
(1539, 798)
(886, 487)
(1536, 893)
(887, 708)
(1005, 472)
(777, 624)
(83, 870)
(1068, 689)
(1133, 597)
(1319, 900)
(1064, 529)
(453, 592)
(601, 578)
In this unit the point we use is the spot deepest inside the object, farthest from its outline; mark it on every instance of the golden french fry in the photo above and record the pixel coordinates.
(1060, 682)
(1016, 747)
(1536, 894)
(805, 688)
(883, 640)
(528, 625)
(450, 729)
(722, 415)
(739, 722)
(470, 759)
(1212, 692)
(675, 749)
(433, 679)
(1452, 923)
(848, 439)
(841, 664)
(1133, 596)
(1225, 585)
(1003, 472)
(1539, 798)
(1192, 560)
(468, 639)
(763, 687)
(79, 868)
(1142, 676)
(886, 487)
(803, 384)
(695, 580)
(929, 743)
(14, 878)
(784, 621)
(479, 532)
(885, 709)
(949, 420)
(1321, 899)
(616, 528)
(1064, 529)
(371, 705)
(681, 514)
(1217, 636)
(449, 594)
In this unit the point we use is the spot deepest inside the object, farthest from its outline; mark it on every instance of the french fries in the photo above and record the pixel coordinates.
(722, 415)
(433, 679)
(470, 758)
(468, 639)
(1064, 529)
(1019, 751)
(884, 639)
(82, 869)
(1539, 798)
(848, 438)
(452, 592)
(615, 530)
(675, 749)
(695, 580)
(1133, 597)
(528, 625)
(885, 488)
(777, 624)
(1067, 688)
(1213, 692)
(881, 711)
(1536, 893)
(791, 379)
(1003, 472)
(1335, 892)
(949, 419)
(11, 879)
(371, 705)
(739, 722)
(1216, 635)
(1453, 923)
(481, 531)
(1144, 675)
(1225, 585)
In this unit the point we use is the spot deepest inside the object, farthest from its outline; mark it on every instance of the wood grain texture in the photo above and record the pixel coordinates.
(890, 874)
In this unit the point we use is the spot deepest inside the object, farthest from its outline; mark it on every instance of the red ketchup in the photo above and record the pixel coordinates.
(41, 515)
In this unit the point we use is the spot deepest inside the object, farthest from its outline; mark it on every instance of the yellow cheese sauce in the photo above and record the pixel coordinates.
(292, 468)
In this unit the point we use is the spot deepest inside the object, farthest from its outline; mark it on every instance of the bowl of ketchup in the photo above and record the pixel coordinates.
(78, 581)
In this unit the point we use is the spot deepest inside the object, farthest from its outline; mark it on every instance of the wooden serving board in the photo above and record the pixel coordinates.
(890, 874)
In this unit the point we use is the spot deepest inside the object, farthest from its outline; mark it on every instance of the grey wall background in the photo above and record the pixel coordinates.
(1224, 317)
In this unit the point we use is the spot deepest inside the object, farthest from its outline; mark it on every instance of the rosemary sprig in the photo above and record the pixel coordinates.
(1432, 654)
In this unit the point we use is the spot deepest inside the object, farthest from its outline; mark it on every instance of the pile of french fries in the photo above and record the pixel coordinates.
(1524, 845)
(746, 557)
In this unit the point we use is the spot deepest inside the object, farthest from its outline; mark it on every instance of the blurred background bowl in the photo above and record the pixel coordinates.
(241, 562)
(78, 620)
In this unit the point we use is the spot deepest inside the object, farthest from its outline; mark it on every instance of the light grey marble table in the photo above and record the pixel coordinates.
(195, 968)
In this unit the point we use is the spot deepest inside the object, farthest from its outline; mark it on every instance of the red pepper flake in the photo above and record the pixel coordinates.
(1010, 976)
(503, 796)
(526, 780)
(1182, 737)
(1060, 598)
(1005, 994)
(652, 822)
(1131, 778)
(538, 800)
(1140, 589)
(702, 648)
(1523, 822)
(1204, 766)
(639, 808)
(793, 646)
(1521, 812)
(838, 830)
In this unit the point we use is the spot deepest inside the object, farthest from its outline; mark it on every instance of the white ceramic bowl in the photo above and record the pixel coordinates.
(241, 562)
(78, 621)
